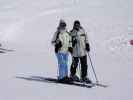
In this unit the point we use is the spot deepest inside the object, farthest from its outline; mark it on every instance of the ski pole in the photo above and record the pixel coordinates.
(93, 69)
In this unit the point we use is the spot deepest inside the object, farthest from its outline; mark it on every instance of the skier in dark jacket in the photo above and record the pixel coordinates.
(80, 46)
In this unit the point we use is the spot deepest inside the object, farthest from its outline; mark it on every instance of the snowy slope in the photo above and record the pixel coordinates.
(27, 27)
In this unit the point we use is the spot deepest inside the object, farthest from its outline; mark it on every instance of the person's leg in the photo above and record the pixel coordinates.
(60, 65)
(63, 68)
(84, 69)
(83, 61)
(65, 57)
(74, 65)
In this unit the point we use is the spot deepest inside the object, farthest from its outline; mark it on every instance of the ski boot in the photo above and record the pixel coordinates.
(66, 79)
(74, 78)
(86, 80)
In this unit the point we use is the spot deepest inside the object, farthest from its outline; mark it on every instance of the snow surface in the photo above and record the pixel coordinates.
(27, 27)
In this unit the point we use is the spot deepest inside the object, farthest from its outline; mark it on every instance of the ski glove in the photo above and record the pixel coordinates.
(58, 46)
(87, 47)
(70, 49)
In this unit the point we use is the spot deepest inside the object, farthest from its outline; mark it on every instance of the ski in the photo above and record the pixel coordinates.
(55, 81)
(101, 85)
(98, 84)
(6, 49)
(2, 52)
(92, 84)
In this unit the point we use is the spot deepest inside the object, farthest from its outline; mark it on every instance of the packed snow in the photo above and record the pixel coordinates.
(27, 27)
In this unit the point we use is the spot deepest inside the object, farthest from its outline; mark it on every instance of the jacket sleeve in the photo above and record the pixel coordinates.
(86, 37)
(72, 38)
(53, 42)
(87, 42)
(70, 41)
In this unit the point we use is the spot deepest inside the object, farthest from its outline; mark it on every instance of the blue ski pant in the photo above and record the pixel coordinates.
(62, 64)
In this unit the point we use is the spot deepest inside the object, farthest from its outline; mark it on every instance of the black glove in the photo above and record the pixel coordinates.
(58, 46)
(87, 47)
(74, 42)
(70, 49)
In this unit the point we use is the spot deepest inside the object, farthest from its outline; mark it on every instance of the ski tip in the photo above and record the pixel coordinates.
(100, 85)
(2, 52)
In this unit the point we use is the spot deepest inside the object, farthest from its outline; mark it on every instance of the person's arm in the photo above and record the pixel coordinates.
(87, 42)
(70, 39)
(53, 42)
(73, 37)
(57, 43)
(86, 37)
(70, 49)
(55, 39)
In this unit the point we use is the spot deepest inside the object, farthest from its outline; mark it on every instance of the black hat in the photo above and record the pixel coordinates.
(76, 22)
(62, 23)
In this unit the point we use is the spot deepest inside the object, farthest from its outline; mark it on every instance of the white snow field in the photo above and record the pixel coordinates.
(27, 26)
